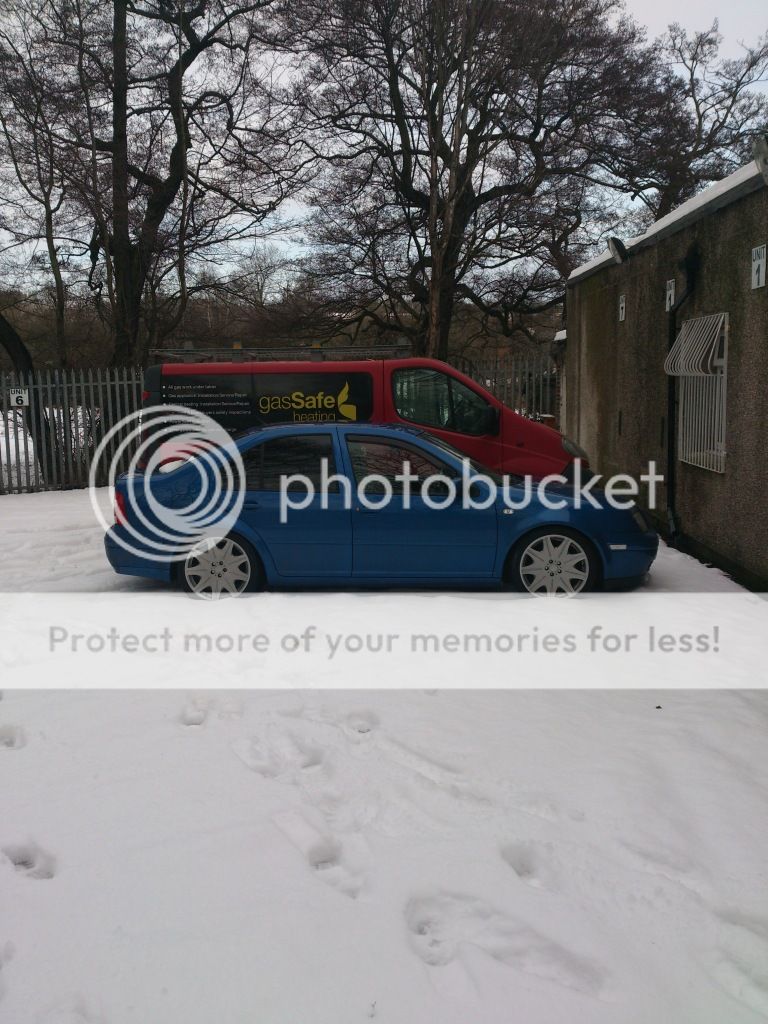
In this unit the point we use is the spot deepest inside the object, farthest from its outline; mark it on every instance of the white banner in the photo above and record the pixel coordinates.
(396, 640)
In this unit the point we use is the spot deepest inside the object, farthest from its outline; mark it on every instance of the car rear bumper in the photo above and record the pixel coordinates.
(131, 563)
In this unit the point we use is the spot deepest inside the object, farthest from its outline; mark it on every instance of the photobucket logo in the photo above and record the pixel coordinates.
(163, 521)
(470, 489)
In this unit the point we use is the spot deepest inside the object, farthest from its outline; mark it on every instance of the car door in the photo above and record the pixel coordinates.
(396, 541)
(314, 541)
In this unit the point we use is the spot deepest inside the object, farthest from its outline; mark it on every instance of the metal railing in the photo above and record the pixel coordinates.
(527, 383)
(52, 421)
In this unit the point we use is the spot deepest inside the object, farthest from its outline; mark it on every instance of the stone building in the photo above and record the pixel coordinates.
(667, 360)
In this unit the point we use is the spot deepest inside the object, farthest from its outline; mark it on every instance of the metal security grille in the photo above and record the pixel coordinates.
(52, 421)
(699, 358)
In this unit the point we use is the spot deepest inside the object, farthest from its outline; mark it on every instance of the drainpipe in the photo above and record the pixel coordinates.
(690, 265)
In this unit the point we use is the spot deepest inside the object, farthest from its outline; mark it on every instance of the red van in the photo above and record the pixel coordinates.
(419, 392)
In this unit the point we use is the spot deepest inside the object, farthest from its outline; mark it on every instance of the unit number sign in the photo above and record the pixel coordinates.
(758, 267)
(18, 397)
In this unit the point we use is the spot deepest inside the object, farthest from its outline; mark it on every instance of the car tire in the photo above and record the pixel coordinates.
(224, 567)
(553, 560)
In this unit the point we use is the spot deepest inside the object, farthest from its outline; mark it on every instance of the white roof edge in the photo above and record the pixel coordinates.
(742, 182)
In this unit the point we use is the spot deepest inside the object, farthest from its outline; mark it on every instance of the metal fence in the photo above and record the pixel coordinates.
(52, 421)
(527, 383)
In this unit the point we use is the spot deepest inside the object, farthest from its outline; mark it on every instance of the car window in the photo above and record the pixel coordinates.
(285, 456)
(435, 399)
(379, 457)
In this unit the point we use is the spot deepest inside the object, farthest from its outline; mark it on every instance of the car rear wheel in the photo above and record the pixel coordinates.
(222, 567)
(554, 561)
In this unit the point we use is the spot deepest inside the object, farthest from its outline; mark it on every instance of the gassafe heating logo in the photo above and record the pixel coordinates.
(144, 444)
(314, 407)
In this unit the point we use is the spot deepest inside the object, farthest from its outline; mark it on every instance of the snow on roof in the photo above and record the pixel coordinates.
(741, 183)
(561, 336)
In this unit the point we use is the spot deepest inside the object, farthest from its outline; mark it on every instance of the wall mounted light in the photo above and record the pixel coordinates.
(618, 250)
(760, 153)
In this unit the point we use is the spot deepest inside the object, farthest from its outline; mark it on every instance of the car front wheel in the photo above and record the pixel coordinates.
(553, 561)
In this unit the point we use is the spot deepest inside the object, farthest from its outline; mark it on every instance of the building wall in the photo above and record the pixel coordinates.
(617, 388)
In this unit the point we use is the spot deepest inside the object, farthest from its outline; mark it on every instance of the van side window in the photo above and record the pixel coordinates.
(285, 456)
(435, 399)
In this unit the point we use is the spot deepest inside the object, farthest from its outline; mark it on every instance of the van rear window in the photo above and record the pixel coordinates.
(239, 401)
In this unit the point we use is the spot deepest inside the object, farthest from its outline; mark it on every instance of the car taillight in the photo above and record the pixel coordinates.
(121, 516)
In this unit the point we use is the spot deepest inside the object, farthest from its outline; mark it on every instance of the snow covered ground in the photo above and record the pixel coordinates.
(253, 843)
(402, 857)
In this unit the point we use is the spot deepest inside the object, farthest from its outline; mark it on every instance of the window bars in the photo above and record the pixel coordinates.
(699, 357)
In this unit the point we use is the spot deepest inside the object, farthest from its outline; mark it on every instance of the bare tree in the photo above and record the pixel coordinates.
(220, 143)
(713, 114)
(36, 186)
(174, 145)
(458, 132)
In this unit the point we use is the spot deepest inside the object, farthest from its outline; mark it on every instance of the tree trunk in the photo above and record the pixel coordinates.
(432, 339)
(442, 286)
(17, 351)
(126, 323)
(61, 295)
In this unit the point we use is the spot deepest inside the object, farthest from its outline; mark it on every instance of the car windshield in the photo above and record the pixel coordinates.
(478, 467)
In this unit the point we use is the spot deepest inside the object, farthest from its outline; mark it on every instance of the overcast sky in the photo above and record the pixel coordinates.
(740, 20)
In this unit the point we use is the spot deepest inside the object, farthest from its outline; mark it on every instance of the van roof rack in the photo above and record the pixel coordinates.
(316, 351)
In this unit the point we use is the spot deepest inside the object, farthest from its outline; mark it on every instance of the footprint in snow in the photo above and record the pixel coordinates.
(362, 723)
(193, 713)
(276, 754)
(439, 925)
(530, 862)
(739, 964)
(339, 864)
(30, 860)
(12, 737)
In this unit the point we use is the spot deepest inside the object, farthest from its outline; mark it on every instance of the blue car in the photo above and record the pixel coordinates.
(324, 530)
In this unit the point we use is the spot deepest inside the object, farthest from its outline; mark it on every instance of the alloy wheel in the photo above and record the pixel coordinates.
(554, 564)
(219, 569)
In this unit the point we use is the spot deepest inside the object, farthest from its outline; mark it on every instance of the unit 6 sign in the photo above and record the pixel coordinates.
(19, 397)
(758, 267)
